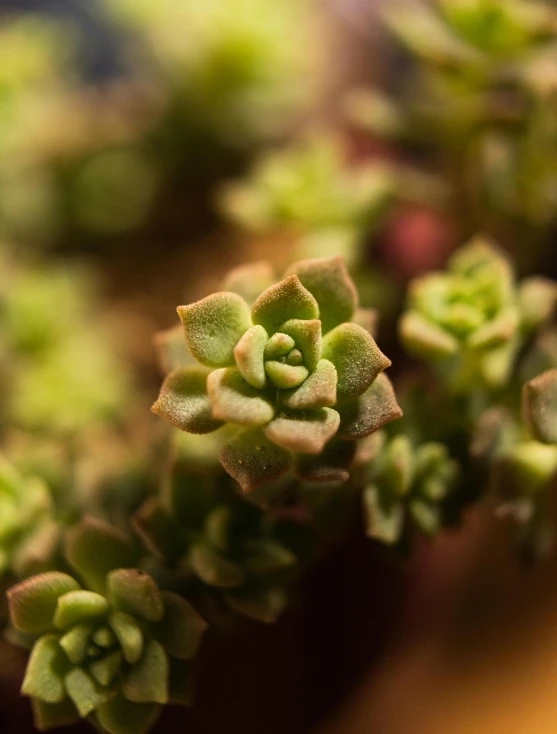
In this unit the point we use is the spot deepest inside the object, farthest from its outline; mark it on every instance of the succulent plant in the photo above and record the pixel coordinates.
(29, 533)
(111, 647)
(472, 319)
(200, 525)
(294, 372)
(406, 482)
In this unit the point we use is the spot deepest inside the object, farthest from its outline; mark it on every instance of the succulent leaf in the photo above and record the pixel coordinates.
(306, 434)
(234, 400)
(79, 606)
(370, 412)
(147, 681)
(328, 281)
(134, 592)
(33, 601)
(120, 716)
(181, 629)
(213, 327)
(47, 666)
(284, 301)
(249, 355)
(319, 390)
(253, 460)
(539, 406)
(184, 402)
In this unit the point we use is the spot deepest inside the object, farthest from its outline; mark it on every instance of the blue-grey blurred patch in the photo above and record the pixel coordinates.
(99, 54)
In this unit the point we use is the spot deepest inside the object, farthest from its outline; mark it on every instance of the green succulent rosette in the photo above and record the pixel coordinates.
(295, 373)
(407, 483)
(472, 319)
(29, 534)
(200, 526)
(112, 647)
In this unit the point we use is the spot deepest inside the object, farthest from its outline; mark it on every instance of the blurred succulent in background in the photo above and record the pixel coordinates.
(60, 372)
(199, 525)
(479, 99)
(29, 532)
(406, 482)
(235, 71)
(111, 647)
(309, 190)
(295, 370)
(472, 320)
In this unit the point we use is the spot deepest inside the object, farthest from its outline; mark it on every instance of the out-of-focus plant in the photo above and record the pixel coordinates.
(479, 100)
(472, 320)
(60, 372)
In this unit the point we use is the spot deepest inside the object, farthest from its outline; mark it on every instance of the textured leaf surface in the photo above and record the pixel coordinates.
(33, 601)
(370, 412)
(234, 400)
(285, 376)
(328, 281)
(75, 642)
(308, 339)
(183, 401)
(213, 327)
(249, 356)
(252, 460)
(357, 358)
(51, 715)
(319, 390)
(283, 301)
(307, 433)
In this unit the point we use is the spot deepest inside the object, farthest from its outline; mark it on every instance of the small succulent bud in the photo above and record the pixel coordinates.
(108, 646)
(404, 480)
(293, 371)
(470, 319)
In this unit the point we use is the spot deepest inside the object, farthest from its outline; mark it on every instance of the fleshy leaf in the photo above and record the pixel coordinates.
(47, 666)
(106, 669)
(213, 568)
(79, 606)
(120, 716)
(537, 298)
(181, 629)
(183, 401)
(424, 338)
(370, 412)
(319, 390)
(51, 715)
(497, 332)
(285, 376)
(383, 523)
(278, 345)
(357, 358)
(135, 592)
(235, 401)
(539, 406)
(129, 635)
(213, 327)
(84, 691)
(328, 281)
(172, 349)
(75, 642)
(33, 601)
(250, 280)
(283, 301)
(252, 460)
(307, 434)
(94, 548)
(308, 339)
(331, 465)
(148, 679)
(249, 356)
